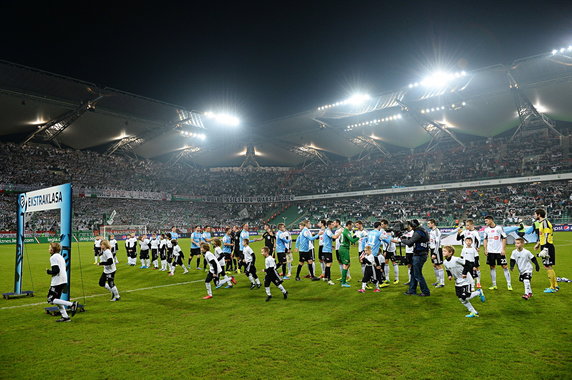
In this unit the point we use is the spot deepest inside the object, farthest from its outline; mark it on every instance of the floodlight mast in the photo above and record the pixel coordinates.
(438, 132)
(250, 158)
(368, 144)
(54, 127)
(530, 118)
(129, 143)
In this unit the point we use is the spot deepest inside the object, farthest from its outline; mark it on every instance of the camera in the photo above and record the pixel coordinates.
(398, 228)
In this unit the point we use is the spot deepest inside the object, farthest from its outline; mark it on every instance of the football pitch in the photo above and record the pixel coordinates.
(162, 328)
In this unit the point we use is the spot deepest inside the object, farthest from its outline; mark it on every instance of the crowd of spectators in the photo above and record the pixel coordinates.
(44, 165)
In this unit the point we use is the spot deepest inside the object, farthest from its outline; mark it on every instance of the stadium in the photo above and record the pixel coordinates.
(190, 242)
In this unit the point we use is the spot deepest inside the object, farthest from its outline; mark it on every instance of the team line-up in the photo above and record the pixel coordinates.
(377, 249)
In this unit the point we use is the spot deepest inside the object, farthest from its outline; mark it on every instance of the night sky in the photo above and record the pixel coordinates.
(263, 60)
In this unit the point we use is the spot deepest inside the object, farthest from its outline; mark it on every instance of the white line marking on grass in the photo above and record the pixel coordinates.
(106, 294)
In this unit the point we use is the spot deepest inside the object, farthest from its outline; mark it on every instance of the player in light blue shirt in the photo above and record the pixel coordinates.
(327, 257)
(196, 238)
(305, 238)
(174, 234)
(282, 242)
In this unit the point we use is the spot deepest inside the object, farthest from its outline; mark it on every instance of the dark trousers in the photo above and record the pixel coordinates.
(417, 275)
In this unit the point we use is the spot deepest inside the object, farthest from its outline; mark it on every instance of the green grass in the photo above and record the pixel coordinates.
(321, 331)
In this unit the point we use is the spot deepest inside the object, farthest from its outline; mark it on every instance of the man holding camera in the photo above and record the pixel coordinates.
(420, 243)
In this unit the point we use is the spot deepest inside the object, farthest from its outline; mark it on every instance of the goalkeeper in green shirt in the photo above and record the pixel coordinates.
(346, 239)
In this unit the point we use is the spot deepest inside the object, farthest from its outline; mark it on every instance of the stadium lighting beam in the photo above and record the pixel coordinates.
(438, 79)
(355, 99)
(223, 118)
(562, 50)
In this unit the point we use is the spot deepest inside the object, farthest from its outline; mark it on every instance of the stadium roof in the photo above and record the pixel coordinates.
(478, 103)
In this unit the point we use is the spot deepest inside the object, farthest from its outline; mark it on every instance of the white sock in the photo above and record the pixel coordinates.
(224, 280)
(257, 281)
(436, 271)
(396, 271)
(323, 265)
(95, 258)
(155, 264)
(349, 275)
(251, 279)
(442, 276)
(468, 306)
(473, 295)
(209, 290)
(58, 302)
(268, 291)
(106, 286)
(289, 265)
(494, 276)
(478, 277)
(386, 269)
(527, 287)
(281, 287)
(115, 291)
(363, 285)
(185, 270)
(409, 274)
(314, 268)
(507, 276)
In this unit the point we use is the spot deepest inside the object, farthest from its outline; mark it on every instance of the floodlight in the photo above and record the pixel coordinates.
(223, 118)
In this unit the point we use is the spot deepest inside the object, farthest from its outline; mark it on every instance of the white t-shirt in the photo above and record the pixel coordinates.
(144, 244)
(177, 250)
(219, 255)
(162, 243)
(248, 254)
(338, 231)
(434, 238)
(169, 244)
(456, 266)
(362, 235)
(113, 244)
(522, 259)
(469, 254)
(472, 234)
(62, 277)
(106, 255)
(409, 249)
(154, 243)
(269, 262)
(494, 237)
(210, 257)
(321, 238)
(97, 243)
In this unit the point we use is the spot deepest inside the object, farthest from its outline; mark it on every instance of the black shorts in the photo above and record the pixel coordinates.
(496, 259)
(272, 277)
(320, 247)
(239, 255)
(305, 256)
(210, 277)
(107, 277)
(55, 292)
(163, 253)
(463, 292)
(379, 261)
(327, 257)
(551, 260)
(390, 256)
(409, 258)
(477, 263)
(169, 254)
(178, 260)
(525, 276)
(438, 260)
(154, 253)
(195, 252)
(227, 256)
(97, 250)
(281, 257)
(144, 254)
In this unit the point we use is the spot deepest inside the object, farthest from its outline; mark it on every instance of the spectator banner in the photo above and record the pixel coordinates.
(124, 194)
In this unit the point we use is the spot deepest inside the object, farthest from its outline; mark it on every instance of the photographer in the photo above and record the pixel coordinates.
(420, 243)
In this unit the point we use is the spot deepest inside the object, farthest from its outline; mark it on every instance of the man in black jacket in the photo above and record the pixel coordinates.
(420, 243)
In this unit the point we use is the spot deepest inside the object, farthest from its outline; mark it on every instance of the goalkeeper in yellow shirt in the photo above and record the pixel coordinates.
(546, 245)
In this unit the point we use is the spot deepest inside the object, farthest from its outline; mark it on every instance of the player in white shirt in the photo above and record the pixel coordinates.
(178, 258)
(169, 246)
(469, 254)
(361, 234)
(144, 252)
(215, 268)
(59, 282)
(522, 258)
(457, 269)
(221, 258)
(471, 232)
(249, 268)
(369, 272)
(154, 250)
(271, 275)
(163, 252)
(436, 253)
(97, 250)
(114, 247)
(495, 245)
(131, 247)
(107, 279)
